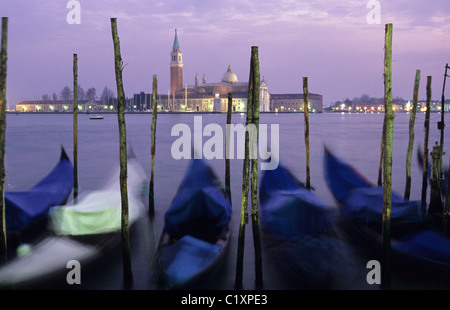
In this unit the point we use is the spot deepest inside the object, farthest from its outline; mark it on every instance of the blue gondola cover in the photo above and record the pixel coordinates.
(198, 198)
(288, 209)
(23, 208)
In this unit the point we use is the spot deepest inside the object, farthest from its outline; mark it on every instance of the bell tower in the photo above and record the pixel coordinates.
(176, 66)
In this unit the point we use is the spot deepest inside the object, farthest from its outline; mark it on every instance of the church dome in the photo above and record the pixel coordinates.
(229, 76)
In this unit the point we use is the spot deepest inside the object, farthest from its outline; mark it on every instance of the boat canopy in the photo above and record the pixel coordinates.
(198, 199)
(341, 177)
(24, 208)
(186, 258)
(288, 208)
(366, 205)
(100, 211)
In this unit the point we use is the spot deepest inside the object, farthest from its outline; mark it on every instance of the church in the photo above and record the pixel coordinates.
(202, 96)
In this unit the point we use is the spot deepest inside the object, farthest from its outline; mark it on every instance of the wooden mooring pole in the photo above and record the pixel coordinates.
(127, 272)
(227, 148)
(75, 127)
(3, 60)
(254, 174)
(151, 202)
(441, 124)
(387, 160)
(380, 168)
(251, 142)
(245, 186)
(425, 148)
(412, 119)
(435, 208)
(306, 125)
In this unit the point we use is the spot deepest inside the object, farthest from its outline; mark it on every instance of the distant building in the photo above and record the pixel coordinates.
(213, 97)
(62, 106)
(295, 103)
(377, 105)
(142, 101)
(206, 97)
(176, 66)
(435, 106)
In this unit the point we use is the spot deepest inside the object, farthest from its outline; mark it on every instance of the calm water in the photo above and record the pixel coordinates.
(33, 146)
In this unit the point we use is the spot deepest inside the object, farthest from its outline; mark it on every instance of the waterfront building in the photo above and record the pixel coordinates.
(60, 106)
(204, 96)
(435, 105)
(142, 101)
(295, 103)
(67, 105)
(377, 105)
(213, 97)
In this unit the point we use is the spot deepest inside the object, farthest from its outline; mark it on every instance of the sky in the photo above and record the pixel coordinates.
(338, 45)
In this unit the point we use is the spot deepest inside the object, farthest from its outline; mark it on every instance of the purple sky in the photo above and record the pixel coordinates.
(330, 42)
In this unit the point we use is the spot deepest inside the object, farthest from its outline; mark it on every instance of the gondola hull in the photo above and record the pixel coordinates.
(26, 212)
(414, 242)
(297, 231)
(196, 233)
(84, 231)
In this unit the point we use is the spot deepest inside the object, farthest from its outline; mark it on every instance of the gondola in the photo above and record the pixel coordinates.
(414, 241)
(297, 231)
(26, 211)
(83, 231)
(196, 232)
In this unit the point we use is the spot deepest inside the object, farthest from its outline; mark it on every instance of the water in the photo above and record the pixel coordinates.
(33, 144)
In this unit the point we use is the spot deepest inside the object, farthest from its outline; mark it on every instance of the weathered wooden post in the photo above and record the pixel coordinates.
(250, 141)
(245, 190)
(306, 118)
(75, 127)
(441, 124)
(425, 148)
(227, 148)
(151, 203)
(435, 208)
(380, 168)
(127, 272)
(254, 174)
(387, 160)
(412, 119)
(3, 60)
(245, 185)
